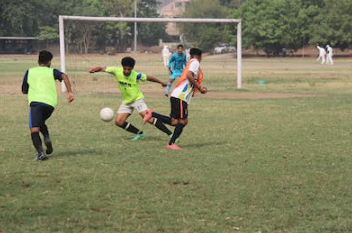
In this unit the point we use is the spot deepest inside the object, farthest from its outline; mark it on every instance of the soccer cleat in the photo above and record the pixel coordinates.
(147, 116)
(49, 146)
(139, 136)
(173, 147)
(41, 156)
(166, 95)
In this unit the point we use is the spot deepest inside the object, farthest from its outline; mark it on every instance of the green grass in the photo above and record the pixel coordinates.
(266, 165)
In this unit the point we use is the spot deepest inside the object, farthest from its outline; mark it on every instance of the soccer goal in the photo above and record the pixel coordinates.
(225, 64)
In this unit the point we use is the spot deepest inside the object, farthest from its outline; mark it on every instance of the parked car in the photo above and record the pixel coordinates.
(224, 48)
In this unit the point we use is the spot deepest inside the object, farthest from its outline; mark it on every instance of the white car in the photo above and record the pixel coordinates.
(224, 48)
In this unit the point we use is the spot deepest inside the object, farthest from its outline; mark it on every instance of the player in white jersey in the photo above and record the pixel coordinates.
(322, 54)
(166, 55)
(329, 55)
(189, 82)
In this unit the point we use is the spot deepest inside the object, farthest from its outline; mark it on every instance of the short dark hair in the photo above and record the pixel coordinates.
(180, 45)
(45, 57)
(128, 61)
(195, 51)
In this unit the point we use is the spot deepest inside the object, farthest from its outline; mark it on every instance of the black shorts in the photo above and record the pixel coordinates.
(179, 108)
(39, 113)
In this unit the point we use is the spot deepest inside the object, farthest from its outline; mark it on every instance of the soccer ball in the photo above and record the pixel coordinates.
(106, 114)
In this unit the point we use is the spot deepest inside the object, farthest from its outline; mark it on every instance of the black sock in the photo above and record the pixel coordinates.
(157, 123)
(45, 132)
(37, 142)
(162, 118)
(130, 128)
(177, 133)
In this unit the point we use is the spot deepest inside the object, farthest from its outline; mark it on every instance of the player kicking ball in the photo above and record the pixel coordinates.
(39, 84)
(189, 82)
(132, 97)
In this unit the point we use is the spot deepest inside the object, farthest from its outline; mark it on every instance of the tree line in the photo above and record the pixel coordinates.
(267, 24)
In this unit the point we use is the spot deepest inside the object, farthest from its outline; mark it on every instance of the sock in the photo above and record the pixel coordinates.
(37, 142)
(130, 128)
(162, 118)
(168, 87)
(177, 133)
(45, 132)
(157, 123)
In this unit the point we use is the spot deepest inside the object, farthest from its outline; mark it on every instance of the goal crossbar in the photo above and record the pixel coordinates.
(152, 20)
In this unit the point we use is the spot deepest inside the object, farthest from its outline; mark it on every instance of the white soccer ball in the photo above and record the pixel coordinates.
(106, 114)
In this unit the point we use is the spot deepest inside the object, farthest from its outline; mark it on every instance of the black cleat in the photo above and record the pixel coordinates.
(41, 156)
(49, 146)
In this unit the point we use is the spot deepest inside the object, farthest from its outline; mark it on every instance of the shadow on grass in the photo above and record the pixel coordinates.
(204, 144)
(78, 152)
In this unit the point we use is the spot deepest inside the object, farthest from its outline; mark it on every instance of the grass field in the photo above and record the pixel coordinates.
(248, 165)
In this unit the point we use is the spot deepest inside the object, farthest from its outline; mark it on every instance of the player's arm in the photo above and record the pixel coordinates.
(190, 77)
(156, 80)
(97, 69)
(58, 75)
(25, 85)
(67, 82)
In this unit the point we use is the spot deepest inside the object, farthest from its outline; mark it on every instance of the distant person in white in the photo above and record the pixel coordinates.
(166, 55)
(329, 55)
(188, 56)
(322, 54)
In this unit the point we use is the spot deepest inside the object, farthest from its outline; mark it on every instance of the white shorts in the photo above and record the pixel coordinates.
(139, 105)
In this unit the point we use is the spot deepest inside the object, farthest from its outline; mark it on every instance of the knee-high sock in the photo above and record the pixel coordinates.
(168, 87)
(158, 124)
(37, 142)
(162, 118)
(130, 128)
(177, 133)
(44, 130)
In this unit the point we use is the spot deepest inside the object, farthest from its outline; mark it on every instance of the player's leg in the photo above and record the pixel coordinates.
(164, 119)
(173, 77)
(35, 121)
(123, 114)
(323, 60)
(168, 86)
(179, 114)
(48, 110)
(142, 108)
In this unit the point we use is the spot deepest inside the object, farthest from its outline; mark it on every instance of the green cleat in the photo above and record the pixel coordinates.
(41, 156)
(139, 136)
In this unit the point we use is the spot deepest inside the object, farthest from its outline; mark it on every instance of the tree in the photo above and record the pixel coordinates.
(275, 24)
(205, 36)
(48, 33)
(333, 26)
(150, 33)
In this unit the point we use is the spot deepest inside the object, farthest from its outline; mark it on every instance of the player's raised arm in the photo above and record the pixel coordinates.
(156, 80)
(97, 69)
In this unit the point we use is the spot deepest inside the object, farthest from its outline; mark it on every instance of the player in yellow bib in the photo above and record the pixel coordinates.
(39, 84)
(132, 97)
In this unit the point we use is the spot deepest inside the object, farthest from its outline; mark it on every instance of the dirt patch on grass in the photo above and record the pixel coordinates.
(242, 95)
(158, 92)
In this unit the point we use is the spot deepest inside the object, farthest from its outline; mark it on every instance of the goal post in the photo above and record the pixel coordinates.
(62, 18)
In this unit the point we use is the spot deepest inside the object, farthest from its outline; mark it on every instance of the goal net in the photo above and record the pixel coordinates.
(222, 65)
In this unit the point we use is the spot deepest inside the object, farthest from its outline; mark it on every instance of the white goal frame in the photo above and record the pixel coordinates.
(152, 20)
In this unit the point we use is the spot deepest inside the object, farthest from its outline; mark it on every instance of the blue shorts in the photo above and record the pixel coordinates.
(175, 74)
(39, 113)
